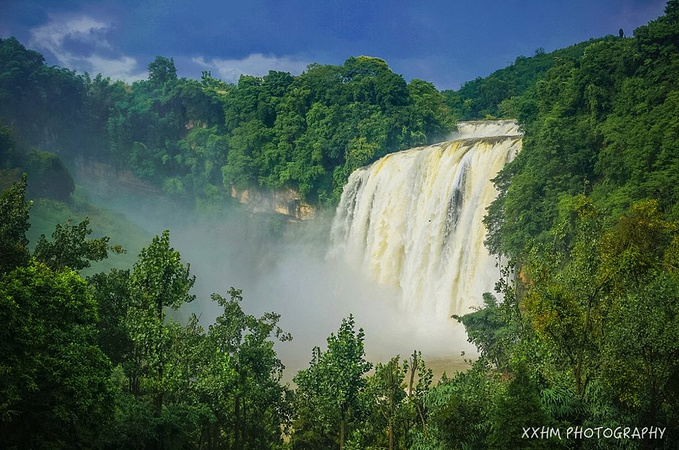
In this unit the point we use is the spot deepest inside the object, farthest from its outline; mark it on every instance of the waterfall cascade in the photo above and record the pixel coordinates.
(413, 219)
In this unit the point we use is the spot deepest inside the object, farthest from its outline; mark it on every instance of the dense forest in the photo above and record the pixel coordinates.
(195, 139)
(581, 335)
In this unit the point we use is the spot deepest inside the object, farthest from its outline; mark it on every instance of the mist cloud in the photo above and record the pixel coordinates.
(293, 276)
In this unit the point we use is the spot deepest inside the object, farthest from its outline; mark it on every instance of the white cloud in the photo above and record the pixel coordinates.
(96, 54)
(122, 68)
(256, 64)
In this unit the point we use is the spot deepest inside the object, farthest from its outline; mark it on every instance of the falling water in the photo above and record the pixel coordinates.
(413, 219)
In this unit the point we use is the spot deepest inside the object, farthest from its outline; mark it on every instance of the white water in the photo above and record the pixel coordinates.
(413, 219)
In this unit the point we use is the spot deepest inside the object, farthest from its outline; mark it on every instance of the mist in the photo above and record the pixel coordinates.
(284, 266)
(288, 271)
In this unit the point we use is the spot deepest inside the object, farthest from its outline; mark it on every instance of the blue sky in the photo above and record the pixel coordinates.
(445, 42)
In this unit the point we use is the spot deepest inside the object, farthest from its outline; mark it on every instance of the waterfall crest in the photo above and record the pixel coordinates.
(413, 219)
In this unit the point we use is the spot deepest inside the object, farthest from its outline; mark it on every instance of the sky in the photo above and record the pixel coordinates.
(443, 42)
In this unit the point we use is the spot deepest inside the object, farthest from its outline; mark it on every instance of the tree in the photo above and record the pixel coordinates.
(241, 382)
(315, 421)
(459, 409)
(493, 329)
(385, 389)
(54, 379)
(333, 381)
(566, 302)
(13, 226)
(71, 247)
(639, 349)
(7, 148)
(147, 351)
(416, 393)
(393, 402)
(161, 70)
(159, 279)
(519, 408)
(112, 294)
(639, 352)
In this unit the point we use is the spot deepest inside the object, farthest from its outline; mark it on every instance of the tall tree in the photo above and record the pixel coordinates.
(159, 280)
(241, 383)
(333, 382)
(162, 70)
(55, 389)
(386, 389)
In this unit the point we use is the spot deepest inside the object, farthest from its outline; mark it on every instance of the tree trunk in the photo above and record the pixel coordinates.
(159, 394)
(343, 426)
(391, 434)
(236, 430)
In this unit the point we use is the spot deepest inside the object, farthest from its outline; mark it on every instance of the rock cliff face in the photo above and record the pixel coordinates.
(286, 202)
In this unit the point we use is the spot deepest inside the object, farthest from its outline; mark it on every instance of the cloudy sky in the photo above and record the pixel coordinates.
(445, 42)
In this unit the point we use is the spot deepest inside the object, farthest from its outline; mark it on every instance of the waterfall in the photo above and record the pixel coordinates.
(413, 219)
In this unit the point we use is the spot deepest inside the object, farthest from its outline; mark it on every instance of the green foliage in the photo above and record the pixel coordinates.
(55, 386)
(49, 177)
(7, 148)
(41, 102)
(517, 409)
(178, 386)
(242, 385)
(13, 226)
(584, 333)
(587, 212)
(639, 351)
(158, 280)
(597, 319)
(195, 139)
(600, 122)
(394, 413)
(385, 391)
(328, 391)
(490, 97)
(111, 291)
(460, 410)
(492, 329)
(162, 70)
(71, 247)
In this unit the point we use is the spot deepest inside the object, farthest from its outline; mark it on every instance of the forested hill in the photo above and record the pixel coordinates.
(579, 349)
(588, 215)
(601, 124)
(197, 138)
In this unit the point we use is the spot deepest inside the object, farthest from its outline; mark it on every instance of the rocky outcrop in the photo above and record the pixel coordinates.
(287, 202)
